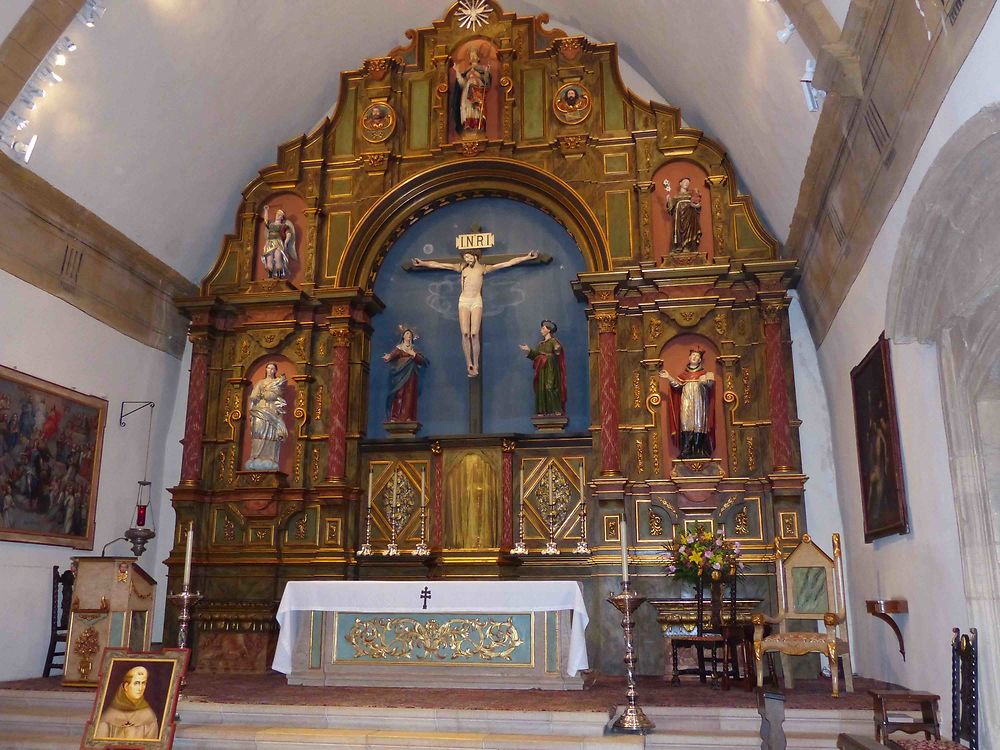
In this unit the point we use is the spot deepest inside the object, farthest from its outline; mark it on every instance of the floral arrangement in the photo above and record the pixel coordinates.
(698, 552)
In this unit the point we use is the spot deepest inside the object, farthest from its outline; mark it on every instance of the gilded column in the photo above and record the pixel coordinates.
(336, 464)
(507, 496)
(777, 386)
(437, 496)
(607, 326)
(194, 423)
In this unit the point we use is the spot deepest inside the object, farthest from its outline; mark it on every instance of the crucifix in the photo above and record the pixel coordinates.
(473, 268)
(425, 595)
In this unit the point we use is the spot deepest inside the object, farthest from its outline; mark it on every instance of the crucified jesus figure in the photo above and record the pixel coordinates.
(470, 300)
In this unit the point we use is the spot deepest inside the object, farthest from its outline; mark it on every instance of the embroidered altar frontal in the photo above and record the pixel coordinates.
(441, 649)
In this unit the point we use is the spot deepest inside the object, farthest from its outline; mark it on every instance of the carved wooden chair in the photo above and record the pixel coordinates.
(964, 709)
(810, 588)
(62, 598)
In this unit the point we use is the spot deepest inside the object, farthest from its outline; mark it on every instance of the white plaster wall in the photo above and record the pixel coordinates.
(923, 566)
(51, 339)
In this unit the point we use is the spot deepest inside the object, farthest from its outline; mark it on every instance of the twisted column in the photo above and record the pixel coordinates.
(336, 464)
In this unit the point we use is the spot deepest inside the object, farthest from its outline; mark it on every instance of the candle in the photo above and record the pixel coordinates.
(187, 555)
(623, 533)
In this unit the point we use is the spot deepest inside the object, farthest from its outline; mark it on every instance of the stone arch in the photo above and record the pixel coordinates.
(945, 290)
(444, 184)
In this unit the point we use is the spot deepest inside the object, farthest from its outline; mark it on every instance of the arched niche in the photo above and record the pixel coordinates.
(945, 290)
(449, 183)
(515, 302)
(255, 373)
(294, 207)
(461, 61)
(662, 223)
(674, 359)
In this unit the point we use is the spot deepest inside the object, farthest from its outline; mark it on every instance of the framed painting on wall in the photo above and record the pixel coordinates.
(136, 699)
(50, 459)
(883, 495)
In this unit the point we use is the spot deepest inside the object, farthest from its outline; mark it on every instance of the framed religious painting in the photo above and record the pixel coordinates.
(883, 495)
(136, 699)
(50, 458)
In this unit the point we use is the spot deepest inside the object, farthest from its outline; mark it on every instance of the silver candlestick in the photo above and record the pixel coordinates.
(185, 601)
(582, 547)
(519, 548)
(633, 720)
(366, 548)
(422, 549)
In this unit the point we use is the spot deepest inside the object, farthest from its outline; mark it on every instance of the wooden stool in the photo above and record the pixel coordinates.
(883, 700)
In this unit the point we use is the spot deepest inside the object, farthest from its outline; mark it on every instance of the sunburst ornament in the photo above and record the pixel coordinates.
(473, 13)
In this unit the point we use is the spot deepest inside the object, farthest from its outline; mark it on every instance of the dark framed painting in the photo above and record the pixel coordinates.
(136, 699)
(50, 459)
(883, 495)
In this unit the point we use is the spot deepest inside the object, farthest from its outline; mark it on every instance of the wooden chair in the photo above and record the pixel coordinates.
(62, 599)
(964, 709)
(810, 588)
(725, 635)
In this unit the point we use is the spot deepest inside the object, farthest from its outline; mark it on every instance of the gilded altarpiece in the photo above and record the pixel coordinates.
(555, 129)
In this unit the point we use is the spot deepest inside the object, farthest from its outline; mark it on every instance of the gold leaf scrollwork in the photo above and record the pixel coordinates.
(552, 496)
(720, 323)
(751, 455)
(508, 446)
(229, 530)
(655, 329)
(636, 390)
(300, 527)
(315, 466)
(656, 452)
(85, 647)
(394, 638)
(436, 448)
(771, 312)
(640, 456)
(655, 523)
(742, 521)
(220, 462)
(607, 321)
(734, 450)
(746, 386)
(300, 347)
(297, 471)
(318, 404)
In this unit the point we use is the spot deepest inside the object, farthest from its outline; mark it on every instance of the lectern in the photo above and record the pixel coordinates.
(112, 606)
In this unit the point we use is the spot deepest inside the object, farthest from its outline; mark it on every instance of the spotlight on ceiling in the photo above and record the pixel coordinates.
(22, 149)
(47, 73)
(16, 121)
(91, 13)
(67, 44)
(786, 33)
(59, 59)
(813, 96)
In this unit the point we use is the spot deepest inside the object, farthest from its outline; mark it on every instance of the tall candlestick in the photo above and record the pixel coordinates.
(519, 548)
(623, 534)
(422, 544)
(366, 548)
(582, 547)
(188, 553)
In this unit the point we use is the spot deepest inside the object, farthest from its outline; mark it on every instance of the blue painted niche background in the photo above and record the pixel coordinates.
(515, 301)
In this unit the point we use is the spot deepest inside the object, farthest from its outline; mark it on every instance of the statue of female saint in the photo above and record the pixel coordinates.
(404, 383)
(692, 418)
(685, 208)
(471, 86)
(267, 420)
(279, 244)
(549, 361)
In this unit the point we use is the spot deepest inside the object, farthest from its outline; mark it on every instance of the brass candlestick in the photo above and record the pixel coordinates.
(185, 601)
(633, 720)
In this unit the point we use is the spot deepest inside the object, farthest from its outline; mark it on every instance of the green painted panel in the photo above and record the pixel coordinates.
(619, 222)
(746, 238)
(424, 638)
(420, 114)
(614, 105)
(219, 532)
(316, 641)
(533, 103)
(295, 531)
(117, 635)
(338, 230)
(343, 138)
(615, 163)
(551, 642)
(810, 595)
(340, 187)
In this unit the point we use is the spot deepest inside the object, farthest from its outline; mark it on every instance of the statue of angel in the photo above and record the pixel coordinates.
(279, 244)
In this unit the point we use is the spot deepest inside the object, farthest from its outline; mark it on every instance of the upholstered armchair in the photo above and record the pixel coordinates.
(810, 588)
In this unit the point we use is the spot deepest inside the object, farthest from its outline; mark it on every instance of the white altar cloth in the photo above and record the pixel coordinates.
(446, 596)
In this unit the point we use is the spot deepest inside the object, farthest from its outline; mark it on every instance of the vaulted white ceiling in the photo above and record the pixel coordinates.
(169, 107)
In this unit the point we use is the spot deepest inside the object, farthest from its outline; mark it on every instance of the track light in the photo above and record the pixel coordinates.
(786, 33)
(16, 121)
(46, 72)
(59, 59)
(22, 149)
(67, 44)
(91, 13)
(813, 96)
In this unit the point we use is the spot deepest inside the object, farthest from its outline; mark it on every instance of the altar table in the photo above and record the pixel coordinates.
(513, 634)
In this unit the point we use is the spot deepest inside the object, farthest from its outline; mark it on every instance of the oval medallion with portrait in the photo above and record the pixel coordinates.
(378, 122)
(572, 103)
